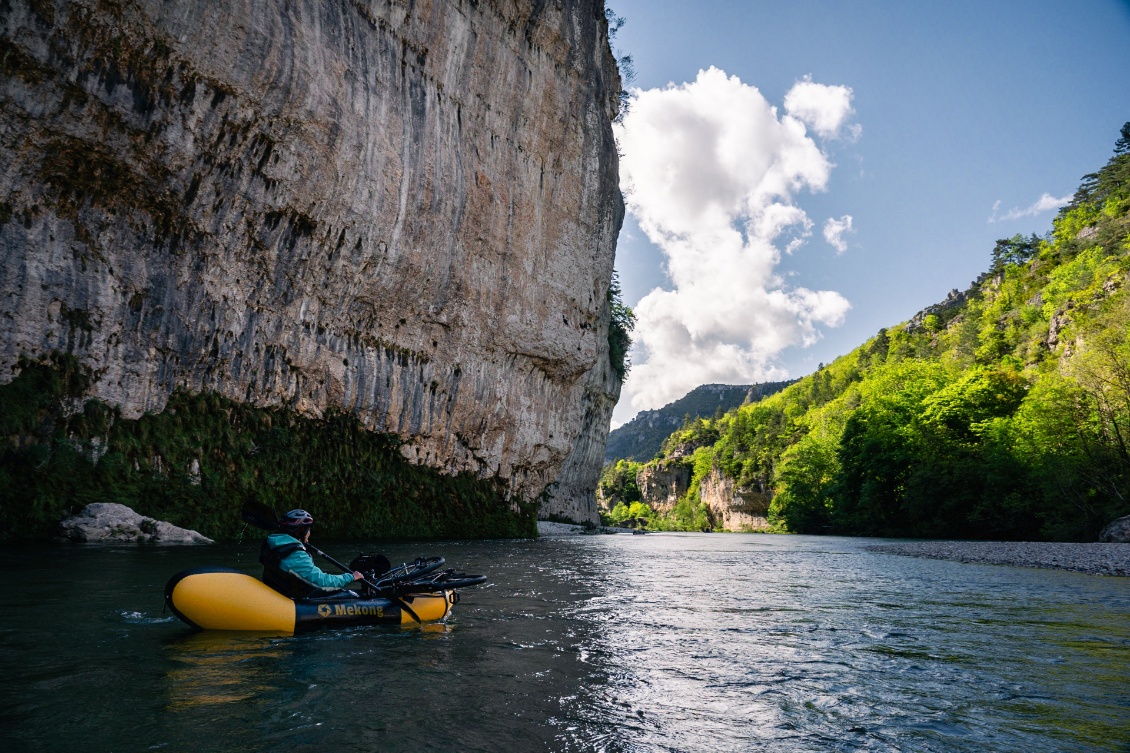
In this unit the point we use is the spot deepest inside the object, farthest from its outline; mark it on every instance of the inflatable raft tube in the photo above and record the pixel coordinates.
(213, 598)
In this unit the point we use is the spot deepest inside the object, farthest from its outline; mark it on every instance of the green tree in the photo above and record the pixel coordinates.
(804, 478)
(982, 393)
(1122, 146)
(618, 482)
(1014, 250)
(623, 321)
(875, 456)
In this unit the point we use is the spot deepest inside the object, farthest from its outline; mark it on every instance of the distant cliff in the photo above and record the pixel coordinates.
(405, 211)
(641, 438)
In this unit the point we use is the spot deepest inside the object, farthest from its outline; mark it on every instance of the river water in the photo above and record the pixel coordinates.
(665, 642)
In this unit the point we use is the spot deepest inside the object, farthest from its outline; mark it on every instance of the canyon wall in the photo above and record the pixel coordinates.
(404, 210)
(662, 485)
(732, 507)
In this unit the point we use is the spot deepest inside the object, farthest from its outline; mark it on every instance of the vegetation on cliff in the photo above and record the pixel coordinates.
(620, 328)
(1003, 412)
(196, 462)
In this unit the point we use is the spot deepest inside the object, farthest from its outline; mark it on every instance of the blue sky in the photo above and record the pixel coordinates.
(962, 115)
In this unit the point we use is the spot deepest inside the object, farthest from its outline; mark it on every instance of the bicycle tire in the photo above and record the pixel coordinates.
(409, 570)
(447, 583)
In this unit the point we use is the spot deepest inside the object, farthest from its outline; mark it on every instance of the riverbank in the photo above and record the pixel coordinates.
(1093, 558)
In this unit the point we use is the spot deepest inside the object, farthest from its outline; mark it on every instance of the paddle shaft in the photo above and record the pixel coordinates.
(403, 604)
(328, 558)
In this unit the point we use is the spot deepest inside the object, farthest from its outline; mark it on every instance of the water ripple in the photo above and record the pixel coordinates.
(621, 644)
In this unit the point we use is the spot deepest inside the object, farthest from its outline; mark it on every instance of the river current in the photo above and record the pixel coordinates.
(664, 642)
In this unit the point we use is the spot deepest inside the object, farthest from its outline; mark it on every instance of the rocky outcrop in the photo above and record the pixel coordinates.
(604, 503)
(1117, 532)
(111, 523)
(573, 495)
(405, 210)
(732, 507)
(1059, 321)
(662, 485)
(953, 301)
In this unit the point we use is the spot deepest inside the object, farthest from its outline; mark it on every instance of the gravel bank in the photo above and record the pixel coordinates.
(547, 529)
(1097, 559)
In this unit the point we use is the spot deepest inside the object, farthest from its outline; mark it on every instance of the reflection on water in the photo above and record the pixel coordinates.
(217, 667)
(212, 668)
(633, 643)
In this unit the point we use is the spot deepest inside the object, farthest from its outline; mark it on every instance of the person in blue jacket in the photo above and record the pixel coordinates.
(288, 567)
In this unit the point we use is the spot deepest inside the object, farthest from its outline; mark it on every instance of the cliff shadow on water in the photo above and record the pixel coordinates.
(197, 461)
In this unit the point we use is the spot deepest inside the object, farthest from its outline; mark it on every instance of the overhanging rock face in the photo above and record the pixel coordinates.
(406, 210)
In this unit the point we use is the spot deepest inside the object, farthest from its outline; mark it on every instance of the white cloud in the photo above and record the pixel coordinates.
(834, 231)
(776, 218)
(825, 109)
(1045, 203)
(709, 171)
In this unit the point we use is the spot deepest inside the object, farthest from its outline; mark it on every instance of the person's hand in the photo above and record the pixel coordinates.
(358, 576)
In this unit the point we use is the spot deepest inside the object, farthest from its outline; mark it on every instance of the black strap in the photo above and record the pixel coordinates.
(404, 605)
(276, 554)
(286, 583)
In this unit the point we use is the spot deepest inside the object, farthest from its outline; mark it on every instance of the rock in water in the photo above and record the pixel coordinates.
(403, 210)
(1117, 532)
(109, 522)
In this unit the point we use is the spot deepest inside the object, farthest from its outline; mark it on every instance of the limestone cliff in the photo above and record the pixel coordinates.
(663, 484)
(732, 507)
(405, 210)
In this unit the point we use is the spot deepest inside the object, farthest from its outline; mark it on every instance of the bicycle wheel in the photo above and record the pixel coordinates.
(409, 570)
(445, 581)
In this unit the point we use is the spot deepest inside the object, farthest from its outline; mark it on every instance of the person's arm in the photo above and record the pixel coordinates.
(302, 564)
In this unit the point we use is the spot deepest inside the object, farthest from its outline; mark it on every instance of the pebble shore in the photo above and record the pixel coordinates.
(1096, 559)
(547, 529)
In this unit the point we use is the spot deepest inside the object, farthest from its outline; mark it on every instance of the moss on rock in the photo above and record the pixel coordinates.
(195, 463)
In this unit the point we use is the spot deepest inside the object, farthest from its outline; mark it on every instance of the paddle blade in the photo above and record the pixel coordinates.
(259, 515)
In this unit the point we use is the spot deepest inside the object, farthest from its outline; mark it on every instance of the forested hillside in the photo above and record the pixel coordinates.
(1003, 412)
(641, 438)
